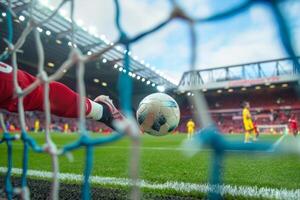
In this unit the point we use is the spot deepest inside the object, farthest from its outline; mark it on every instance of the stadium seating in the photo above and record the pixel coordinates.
(268, 107)
(57, 123)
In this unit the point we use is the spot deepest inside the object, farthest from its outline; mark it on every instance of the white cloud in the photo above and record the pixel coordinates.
(260, 15)
(196, 8)
(138, 16)
(166, 50)
(246, 46)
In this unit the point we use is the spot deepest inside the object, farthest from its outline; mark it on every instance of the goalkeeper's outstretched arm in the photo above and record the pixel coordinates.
(63, 100)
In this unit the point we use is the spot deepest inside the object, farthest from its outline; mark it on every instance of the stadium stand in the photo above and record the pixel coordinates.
(267, 85)
(57, 123)
(269, 106)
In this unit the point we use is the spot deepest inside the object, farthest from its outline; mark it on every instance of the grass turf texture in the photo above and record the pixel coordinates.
(161, 161)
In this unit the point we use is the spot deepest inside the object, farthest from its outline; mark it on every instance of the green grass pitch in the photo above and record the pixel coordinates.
(163, 161)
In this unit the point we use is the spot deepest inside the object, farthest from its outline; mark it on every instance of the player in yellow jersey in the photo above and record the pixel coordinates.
(66, 128)
(190, 128)
(248, 123)
(36, 125)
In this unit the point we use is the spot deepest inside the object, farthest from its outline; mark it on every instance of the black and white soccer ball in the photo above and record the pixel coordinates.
(158, 114)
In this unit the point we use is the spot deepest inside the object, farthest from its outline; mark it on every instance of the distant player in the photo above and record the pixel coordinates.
(36, 125)
(12, 127)
(256, 131)
(248, 123)
(66, 128)
(190, 128)
(293, 125)
(63, 101)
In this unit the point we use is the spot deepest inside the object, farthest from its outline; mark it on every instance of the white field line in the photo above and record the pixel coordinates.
(246, 191)
(175, 148)
(277, 143)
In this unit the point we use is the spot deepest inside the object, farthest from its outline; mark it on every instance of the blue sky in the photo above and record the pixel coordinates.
(248, 37)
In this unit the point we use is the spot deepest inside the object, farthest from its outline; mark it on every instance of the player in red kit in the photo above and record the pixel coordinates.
(256, 131)
(293, 125)
(63, 101)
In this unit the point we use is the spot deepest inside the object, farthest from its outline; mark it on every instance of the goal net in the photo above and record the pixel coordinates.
(78, 59)
(273, 129)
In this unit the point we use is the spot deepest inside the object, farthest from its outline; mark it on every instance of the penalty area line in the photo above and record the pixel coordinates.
(233, 190)
(277, 143)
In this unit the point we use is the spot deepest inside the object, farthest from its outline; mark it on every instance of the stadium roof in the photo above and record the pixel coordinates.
(56, 38)
(242, 75)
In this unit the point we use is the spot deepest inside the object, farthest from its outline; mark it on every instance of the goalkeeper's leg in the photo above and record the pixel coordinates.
(63, 101)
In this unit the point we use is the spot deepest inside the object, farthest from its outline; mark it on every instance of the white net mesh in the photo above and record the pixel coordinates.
(210, 135)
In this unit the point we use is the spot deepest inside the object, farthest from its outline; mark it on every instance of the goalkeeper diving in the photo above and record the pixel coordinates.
(63, 101)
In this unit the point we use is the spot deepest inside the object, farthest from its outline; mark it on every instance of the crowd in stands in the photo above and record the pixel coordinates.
(35, 122)
(268, 107)
(232, 121)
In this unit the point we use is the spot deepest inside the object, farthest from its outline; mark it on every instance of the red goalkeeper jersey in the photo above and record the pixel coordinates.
(63, 101)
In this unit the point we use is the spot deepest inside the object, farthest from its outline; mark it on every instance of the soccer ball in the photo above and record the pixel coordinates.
(158, 114)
